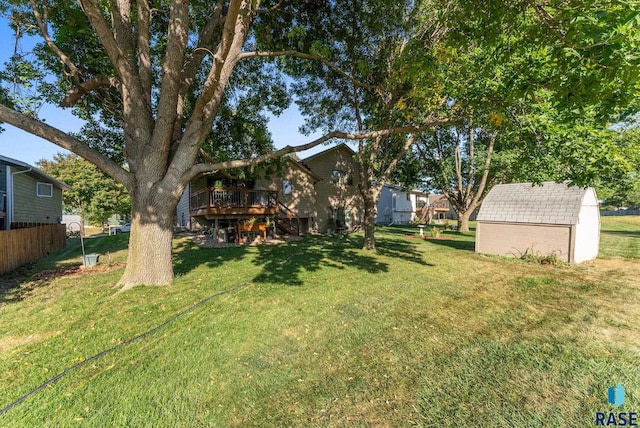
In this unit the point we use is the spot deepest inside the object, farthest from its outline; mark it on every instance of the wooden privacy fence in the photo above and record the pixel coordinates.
(21, 246)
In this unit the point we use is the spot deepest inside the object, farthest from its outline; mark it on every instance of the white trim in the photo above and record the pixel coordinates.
(9, 208)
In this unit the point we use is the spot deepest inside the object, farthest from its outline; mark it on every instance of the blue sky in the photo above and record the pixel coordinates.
(17, 144)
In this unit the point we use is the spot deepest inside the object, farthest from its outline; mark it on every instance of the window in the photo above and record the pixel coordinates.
(335, 176)
(342, 177)
(350, 179)
(286, 187)
(44, 190)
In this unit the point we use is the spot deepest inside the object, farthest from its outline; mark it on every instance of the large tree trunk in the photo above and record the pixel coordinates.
(149, 259)
(370, 197)
(463, 220)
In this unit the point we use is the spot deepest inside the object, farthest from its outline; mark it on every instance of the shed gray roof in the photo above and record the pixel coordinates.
(549, 203)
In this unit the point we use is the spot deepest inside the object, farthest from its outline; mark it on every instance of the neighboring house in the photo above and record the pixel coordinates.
(399, 206)
(552, 218)
(28, 196)
(441, 207)
(338, 201)
(307, 196)
(184, 220)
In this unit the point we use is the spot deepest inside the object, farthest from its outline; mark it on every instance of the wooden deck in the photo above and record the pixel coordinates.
(225, 202)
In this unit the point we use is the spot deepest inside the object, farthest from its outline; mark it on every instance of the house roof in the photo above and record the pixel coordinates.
(299, 164)
(35, 172)
(549, 203)
(405, 190)
(436, 197)
(324, 152)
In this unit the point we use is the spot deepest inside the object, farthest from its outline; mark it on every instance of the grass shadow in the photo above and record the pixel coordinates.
(460, 242)
(629, 233)
(187, 255)
(284, 264)
(400, 248)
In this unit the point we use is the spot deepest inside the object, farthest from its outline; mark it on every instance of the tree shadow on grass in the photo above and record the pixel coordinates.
(452, 239)
(458, 242)
(283, 264)
(187, 255)
(629, 233)
(401, 248)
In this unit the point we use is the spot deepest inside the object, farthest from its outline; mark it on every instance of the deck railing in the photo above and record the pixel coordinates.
(440, 206)
(213, 201)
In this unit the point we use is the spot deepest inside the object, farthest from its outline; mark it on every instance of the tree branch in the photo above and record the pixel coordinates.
(378, 89)
(271, 9)
(75, 94)
(447, 181)
(211, 84)
(458, 164)
(61, 139)
(391, 166)
(143, 34)
(200, 168)
(116, 55)
(190, 69)
(64, 59)
(485, 173)
(171, 73)
(121, 21)
(472, 158)
(234, 32)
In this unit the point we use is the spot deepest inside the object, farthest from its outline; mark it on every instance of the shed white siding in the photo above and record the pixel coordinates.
(546, 219)
(587, 242)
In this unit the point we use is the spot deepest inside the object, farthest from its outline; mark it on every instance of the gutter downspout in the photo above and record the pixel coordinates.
(10, 192)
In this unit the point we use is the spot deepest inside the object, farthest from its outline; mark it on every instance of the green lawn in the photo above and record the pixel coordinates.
(423, 333)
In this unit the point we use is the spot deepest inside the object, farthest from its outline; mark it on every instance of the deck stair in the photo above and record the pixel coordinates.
(287, 221)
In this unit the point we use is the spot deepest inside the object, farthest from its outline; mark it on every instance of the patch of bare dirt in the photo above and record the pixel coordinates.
(21, 286)
(69, 271)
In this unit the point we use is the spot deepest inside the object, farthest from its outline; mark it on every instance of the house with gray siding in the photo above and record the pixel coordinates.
(28, 196)
(399, 206)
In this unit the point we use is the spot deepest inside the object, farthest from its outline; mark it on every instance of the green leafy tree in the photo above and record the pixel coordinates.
(621, 188)
(160, 75)
(369, 41)
(94, 195)
(533, 90)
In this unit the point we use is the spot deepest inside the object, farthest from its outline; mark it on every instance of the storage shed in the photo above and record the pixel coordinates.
(548, 218)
